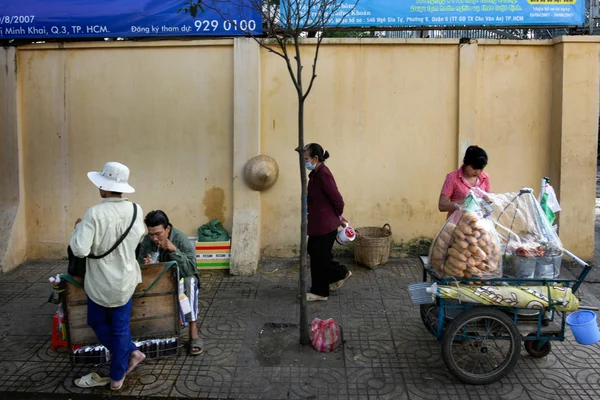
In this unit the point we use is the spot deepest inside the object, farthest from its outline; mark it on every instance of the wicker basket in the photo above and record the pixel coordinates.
(373, 245)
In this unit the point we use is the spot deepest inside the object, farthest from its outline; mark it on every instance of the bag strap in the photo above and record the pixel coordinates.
(168, 266)
(123, 236)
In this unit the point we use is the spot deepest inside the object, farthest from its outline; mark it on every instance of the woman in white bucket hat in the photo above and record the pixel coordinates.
(110, 281)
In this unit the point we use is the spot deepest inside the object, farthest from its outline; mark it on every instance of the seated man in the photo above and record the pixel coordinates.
(173, 245)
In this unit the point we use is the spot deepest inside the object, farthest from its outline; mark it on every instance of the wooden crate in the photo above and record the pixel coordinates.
(153, 316)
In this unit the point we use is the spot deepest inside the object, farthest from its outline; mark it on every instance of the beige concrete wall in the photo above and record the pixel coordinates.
(397, 118)
(395, 115)
(386, 114)
(13, 236)
(164, 110)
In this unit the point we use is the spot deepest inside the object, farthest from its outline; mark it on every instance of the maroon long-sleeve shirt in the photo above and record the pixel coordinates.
(325, 203)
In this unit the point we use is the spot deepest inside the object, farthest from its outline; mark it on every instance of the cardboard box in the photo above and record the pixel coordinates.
(213, 255)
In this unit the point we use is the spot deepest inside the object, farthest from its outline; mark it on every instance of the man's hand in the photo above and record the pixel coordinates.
(147, 259)
(76, 222)
(167, 245)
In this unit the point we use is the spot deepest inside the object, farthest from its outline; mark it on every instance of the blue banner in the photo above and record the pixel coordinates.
(451, 13)
(73, 19)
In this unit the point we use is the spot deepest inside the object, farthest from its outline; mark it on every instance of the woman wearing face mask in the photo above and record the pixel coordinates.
(325, 208)
(459, 182)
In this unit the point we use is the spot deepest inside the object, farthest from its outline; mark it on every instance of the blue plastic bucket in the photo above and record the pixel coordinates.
(584, 327)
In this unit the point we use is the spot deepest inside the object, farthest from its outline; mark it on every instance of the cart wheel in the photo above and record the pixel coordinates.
(429, 316)
(537, 348)
(481, 346)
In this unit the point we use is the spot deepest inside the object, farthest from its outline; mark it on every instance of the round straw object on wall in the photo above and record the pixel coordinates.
(261, 173)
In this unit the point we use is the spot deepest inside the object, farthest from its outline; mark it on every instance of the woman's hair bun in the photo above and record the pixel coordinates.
(325, 155)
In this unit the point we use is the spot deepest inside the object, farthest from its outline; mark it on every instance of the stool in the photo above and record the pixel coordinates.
(57, 338)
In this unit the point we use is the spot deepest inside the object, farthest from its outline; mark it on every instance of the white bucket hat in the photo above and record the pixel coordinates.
(113, 178)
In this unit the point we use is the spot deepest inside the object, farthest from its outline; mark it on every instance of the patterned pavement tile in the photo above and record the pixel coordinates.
(277, 302)
(262, 383)
(39, 377)
(219, 352)
(376, 383)
(153, 378)
(438, 383)
(204, 382)
(370, 327)
(318, 383)
(210, 282)
(27, 274)
(21, 348)
(385, 353)
(221, 309)
(545, 384)
(203, 307)
(360, 307)
(7, 370)
(11, 289)
(25, 324)
(35, 305)
(420, 354)
(45, 353)
(588, 382)
(371, 354)
(363, 282)
(237, 288)
(325, 309)
(573, 355)
(548, 362)
(408, 272)
(223, 329)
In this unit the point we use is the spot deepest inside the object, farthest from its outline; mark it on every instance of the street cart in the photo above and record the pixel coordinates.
(481, 320)
(155, 317)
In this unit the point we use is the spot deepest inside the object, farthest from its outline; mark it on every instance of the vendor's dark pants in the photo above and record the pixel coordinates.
(111, 325)
(323, 269)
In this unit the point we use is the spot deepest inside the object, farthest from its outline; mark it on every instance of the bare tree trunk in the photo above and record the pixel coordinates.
(304, 333)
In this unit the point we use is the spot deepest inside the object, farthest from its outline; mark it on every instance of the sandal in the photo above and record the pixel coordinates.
(117, 387)
(91, 380)
(196, 343)
(338, 284)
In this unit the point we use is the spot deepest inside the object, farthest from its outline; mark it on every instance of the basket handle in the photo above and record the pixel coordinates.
(388, 227)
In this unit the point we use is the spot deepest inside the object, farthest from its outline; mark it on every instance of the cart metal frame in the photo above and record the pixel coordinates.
(536, 333)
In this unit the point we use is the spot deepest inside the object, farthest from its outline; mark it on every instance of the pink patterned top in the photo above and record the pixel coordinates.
(457, 188)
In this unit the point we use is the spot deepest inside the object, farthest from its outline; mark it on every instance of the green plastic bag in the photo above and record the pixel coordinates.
(213, 232)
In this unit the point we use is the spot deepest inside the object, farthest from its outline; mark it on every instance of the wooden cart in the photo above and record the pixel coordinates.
(154, 314)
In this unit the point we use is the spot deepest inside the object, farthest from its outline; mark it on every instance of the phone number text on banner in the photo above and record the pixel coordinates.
(73, 19)
(439, 13)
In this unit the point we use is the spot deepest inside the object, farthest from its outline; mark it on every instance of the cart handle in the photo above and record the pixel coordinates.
(586, 269)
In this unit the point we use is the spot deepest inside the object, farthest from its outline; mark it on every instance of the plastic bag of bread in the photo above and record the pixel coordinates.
(467, 246)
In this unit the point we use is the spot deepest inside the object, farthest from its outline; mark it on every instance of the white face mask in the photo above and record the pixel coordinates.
(310, 166)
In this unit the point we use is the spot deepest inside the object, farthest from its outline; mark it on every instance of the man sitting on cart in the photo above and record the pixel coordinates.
(173, 245)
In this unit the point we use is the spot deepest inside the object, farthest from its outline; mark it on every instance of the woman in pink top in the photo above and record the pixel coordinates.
(459, 182)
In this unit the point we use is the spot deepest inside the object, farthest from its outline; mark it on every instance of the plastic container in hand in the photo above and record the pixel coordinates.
(345, 235)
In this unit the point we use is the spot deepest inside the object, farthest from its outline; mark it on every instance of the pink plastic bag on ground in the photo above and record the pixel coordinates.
(324, 334)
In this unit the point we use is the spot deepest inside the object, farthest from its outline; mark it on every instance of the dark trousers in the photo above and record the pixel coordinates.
(111, 325)
(323, 269)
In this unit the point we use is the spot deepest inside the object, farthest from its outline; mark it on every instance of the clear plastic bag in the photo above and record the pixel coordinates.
(530, 246)
(324, 334)
(468, 245)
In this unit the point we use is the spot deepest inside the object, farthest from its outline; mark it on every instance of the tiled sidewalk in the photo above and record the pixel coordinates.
(249, 325)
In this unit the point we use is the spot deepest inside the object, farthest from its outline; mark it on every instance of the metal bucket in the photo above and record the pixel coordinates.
(522, 267)
(548, 267)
